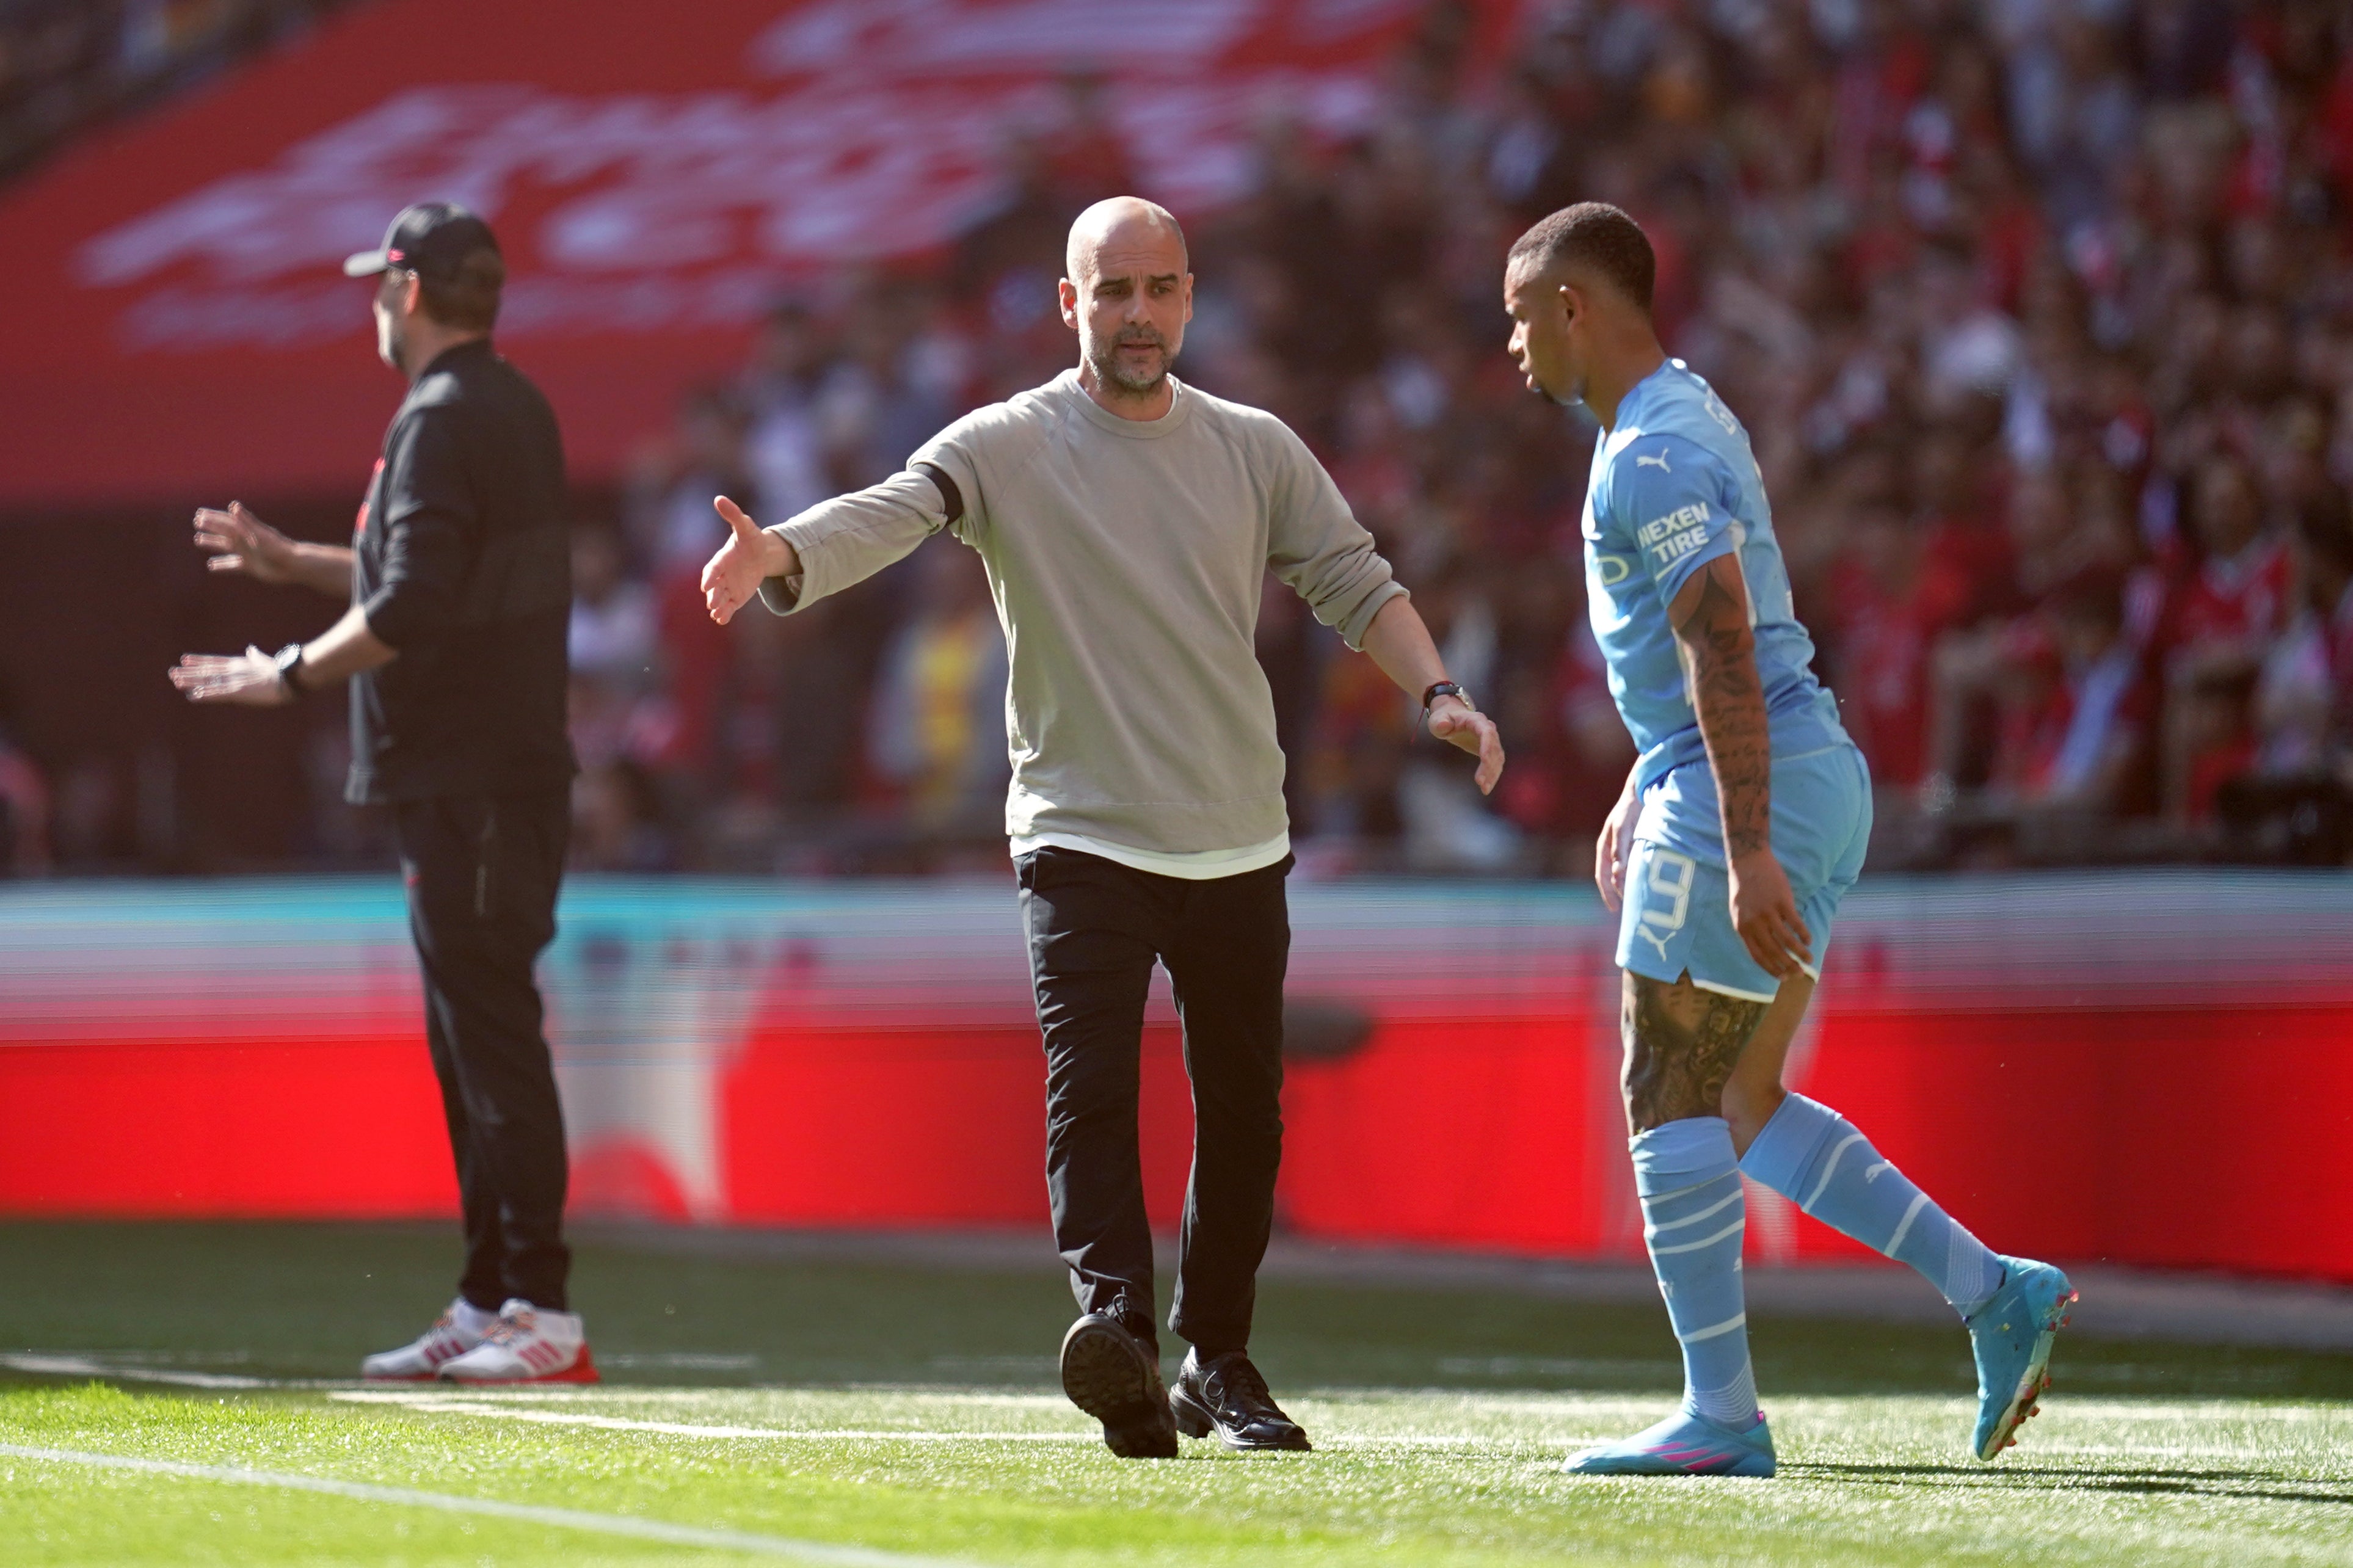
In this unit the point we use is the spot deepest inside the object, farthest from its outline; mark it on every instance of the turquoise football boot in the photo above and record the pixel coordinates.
(2011, 1336)
(1682, 1445)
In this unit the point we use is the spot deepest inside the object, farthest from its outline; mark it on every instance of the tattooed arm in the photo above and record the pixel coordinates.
(1709, 615)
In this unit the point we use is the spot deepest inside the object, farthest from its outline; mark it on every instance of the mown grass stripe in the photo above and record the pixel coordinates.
(83, 1366)
(819, 1551)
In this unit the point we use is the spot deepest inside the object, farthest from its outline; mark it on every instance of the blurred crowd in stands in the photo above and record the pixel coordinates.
(67, 64)
(2040, 314)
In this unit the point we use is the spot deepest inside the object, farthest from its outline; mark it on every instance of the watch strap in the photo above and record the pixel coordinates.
(1445, 688)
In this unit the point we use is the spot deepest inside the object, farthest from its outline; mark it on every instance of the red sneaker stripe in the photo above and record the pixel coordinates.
(582, 1370)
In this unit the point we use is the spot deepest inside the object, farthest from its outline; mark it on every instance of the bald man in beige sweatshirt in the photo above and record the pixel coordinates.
(1126, 521)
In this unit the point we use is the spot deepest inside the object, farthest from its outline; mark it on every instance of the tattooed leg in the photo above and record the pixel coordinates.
(1681, 1044)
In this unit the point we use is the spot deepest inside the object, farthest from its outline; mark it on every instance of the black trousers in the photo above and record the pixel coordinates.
(1095, 929)
(482, 873)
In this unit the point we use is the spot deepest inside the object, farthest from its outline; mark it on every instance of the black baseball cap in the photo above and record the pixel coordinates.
(431, 237)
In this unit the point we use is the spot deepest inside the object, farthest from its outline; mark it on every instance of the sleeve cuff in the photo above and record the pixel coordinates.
(387, 619)
(786, 594)
(1360, 620)
(783, 594)
(1691, 565)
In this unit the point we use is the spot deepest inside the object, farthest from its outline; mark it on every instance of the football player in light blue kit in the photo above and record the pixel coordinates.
(1742, 824)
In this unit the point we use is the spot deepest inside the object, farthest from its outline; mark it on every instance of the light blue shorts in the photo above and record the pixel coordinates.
(1677, 918)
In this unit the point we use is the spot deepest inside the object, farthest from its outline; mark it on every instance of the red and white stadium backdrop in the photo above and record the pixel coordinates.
(177, 327)
(2149, 1069)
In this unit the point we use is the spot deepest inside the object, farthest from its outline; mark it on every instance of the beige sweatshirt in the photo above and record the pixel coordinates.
(1126, 558)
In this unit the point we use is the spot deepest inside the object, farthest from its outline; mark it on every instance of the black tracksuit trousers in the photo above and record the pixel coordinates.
(482, 873)
(1095, 930)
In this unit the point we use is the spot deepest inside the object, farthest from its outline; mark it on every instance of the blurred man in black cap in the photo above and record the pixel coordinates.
(459, 575)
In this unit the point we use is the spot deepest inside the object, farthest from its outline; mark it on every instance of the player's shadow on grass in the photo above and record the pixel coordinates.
(2197, 1483)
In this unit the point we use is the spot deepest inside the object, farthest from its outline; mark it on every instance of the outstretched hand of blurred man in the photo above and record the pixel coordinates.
(251, 679)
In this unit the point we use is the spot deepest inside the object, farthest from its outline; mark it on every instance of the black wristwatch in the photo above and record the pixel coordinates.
(1447, 688)
(290, 668)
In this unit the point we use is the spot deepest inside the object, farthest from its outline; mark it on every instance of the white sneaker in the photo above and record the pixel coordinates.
(454, 1333)
(527, 1344)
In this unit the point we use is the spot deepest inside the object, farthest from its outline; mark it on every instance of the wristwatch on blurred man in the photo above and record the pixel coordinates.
(289, 660)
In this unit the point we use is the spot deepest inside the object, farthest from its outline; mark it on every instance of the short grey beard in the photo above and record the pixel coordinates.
(1105, 359)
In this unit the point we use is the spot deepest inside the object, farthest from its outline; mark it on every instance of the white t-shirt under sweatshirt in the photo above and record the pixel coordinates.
(1126, 558)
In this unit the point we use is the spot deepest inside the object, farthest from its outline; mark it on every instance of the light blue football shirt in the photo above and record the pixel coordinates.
(1674, 486)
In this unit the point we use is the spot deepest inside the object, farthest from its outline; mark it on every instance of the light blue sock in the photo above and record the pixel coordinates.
(1692, 1219)
(1814, 1157)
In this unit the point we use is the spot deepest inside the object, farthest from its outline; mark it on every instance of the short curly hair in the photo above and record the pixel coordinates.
(1595, 235)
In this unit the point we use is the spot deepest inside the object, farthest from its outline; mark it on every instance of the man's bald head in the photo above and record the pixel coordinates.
(1128, 294)
(1122, 229)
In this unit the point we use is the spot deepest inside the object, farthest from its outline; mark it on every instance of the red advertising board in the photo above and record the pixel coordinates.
(2151, 1069)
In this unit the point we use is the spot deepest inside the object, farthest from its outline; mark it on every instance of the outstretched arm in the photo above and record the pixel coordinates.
(829, 546)
(239, 541)
(1400, 644)
(250, 679)
(427, 526)
(1316, 546)
(1709, 615)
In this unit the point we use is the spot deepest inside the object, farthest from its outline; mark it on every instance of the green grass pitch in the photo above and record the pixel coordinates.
(883, 1414)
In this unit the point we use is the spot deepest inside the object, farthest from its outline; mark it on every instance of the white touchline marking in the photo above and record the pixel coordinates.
(1437, 1442)
(527, 1513)
(440, 1404)
(698, 1429)
(576, 1394)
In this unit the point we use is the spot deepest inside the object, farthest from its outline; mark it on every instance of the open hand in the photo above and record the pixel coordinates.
(1459, 724)
(248, 678)
(749, 557)
(240, 542)
(1765, 913)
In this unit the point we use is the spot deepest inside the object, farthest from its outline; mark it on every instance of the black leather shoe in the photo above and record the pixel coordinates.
(1113, 1375)
(1225, 1394)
